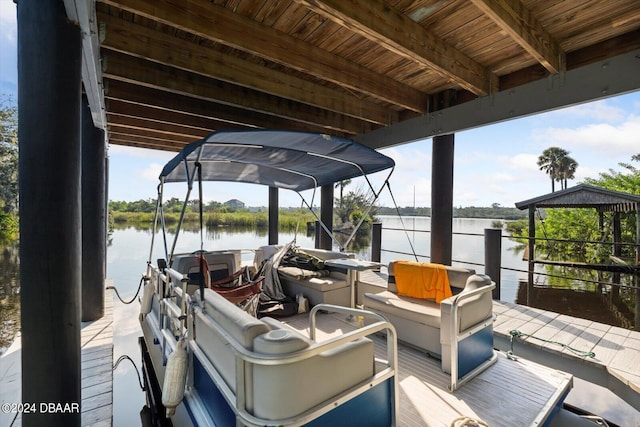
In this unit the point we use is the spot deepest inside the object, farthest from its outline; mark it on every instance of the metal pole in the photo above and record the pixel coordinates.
(493, 257)
(442, 199)
(94, 217)
(49, 91)
(532, 254)
(273, 215)
(376, 241)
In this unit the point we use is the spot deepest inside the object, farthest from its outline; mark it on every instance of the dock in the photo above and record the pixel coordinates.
(605, 355)
(616, 350)
(97, 376)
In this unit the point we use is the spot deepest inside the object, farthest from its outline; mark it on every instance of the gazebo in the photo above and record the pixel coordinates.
(603, 201)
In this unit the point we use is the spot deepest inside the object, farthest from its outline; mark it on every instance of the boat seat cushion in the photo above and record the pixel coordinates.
(300, 273)
(417, 310)
(281, 339)
(238, 323)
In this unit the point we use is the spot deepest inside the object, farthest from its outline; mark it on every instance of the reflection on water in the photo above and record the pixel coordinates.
(599, 303)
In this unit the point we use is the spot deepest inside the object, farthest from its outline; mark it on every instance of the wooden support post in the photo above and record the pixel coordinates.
(376, 241)
(493, 257)
(442, 199)
(94, 217)
(326, 216)
(49, 91)
(273, 215)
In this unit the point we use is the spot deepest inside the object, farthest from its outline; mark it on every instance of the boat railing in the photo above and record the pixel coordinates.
(457, 336)
(245, 358)
(498, 255)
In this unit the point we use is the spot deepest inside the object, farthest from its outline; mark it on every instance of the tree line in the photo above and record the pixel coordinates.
(495, 211)
(8, 169)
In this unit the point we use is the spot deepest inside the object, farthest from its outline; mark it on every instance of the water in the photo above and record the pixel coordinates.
(128, 253)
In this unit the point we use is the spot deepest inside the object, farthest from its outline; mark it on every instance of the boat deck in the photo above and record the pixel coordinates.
(527, 392)
(96, 340)
(617, 350)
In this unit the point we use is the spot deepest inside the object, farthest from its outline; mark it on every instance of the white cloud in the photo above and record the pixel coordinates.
(125, 150)
(151, 172)
(605, 138)
(598, 111)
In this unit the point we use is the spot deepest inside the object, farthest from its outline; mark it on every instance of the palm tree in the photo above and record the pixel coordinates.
(341, 185)
(550, 161)
(567, 170)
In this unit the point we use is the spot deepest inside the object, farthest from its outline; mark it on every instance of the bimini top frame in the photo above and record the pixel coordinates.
(284, 159)
(290, 160)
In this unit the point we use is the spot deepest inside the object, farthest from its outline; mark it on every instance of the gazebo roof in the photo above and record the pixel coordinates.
(585, 196)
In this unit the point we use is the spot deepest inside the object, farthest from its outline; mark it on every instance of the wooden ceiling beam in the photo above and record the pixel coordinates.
(383, 25)
(219, 116)
(169, 129)
(221, 25)
(162, 116)
(140, 142)
(526, 30)
(162, 48)
(151, 134)
(118, 66)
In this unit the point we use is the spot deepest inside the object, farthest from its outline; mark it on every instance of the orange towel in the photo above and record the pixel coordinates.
(422, 280)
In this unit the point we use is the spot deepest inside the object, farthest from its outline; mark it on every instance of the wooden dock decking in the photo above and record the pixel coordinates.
(617, 350)
(96, 340)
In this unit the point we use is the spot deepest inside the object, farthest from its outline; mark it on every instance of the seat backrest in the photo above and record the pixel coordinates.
(221, 265)
(457, 277)
(473, 310)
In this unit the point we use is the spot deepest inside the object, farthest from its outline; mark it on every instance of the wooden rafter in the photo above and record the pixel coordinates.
(118, 66)
(221, 25)
(376, 21)
(148, 102)
(524, 28)
(165, 49)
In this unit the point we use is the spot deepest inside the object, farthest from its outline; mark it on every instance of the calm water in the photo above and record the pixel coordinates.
(128, 253)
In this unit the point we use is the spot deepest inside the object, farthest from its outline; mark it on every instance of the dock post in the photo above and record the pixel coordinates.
(326, 216)
(94, 216)
(49, 92)
(532, 254)
(442, 199)
(273, 215)
(493, 257)
(376, 241)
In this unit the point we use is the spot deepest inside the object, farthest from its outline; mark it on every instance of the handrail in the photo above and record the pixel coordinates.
(455, 335)
(244, 356)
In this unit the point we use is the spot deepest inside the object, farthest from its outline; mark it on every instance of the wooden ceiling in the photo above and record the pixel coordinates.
(174, 70)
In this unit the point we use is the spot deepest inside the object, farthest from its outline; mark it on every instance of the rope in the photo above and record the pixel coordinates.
(134, 297)
(468, 422)
(123, 357)
(401, 221)
(514, 333)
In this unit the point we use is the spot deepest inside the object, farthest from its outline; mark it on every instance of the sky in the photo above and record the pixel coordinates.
(493, 164)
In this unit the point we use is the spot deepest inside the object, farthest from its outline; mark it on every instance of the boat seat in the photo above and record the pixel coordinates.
(324, 287)
(278, 391)
(425, 324)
